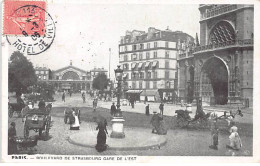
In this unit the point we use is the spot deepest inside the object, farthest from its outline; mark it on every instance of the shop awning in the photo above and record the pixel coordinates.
(154, 63)
(147, 64)
(149, 93)
(140, 65)
(133, 65)
(134, 91)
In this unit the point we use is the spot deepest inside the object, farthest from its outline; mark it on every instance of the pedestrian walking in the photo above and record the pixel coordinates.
(214, 136)
(94, 104)
(84, 97)
(12, 148)
(235, 142)
(101, 137)
(74, 122)
(113, 109)
(161, 107)
(63, 97)
(147, 110)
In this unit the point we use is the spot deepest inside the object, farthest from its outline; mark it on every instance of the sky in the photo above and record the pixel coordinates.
(85, 32)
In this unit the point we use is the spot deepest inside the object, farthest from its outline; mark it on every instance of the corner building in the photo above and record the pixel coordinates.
(220, 69)
(149, 61)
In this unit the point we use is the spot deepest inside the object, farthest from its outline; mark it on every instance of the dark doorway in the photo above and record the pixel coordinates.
(217, 73)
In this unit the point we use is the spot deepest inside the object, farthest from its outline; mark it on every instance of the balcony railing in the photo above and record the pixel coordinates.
(185, 55)
(222, 45)
(218, 11)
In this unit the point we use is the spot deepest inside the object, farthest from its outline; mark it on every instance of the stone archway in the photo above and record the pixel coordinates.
(70, 75)
(214, 81)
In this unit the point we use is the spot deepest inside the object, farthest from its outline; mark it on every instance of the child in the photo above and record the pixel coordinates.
(235, 141)
(214, 135)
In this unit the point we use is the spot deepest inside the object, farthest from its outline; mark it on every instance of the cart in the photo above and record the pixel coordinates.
(38, 121)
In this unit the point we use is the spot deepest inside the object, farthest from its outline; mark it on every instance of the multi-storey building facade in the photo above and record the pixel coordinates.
(221, 68)
(96, 71)
(43, 73)
(149, 60)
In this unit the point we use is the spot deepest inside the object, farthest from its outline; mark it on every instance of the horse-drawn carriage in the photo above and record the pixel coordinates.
(38, 120)
(203, 120)
(183, 119)
(15, 108)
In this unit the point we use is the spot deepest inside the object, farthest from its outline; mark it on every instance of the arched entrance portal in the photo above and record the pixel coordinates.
(214, 81)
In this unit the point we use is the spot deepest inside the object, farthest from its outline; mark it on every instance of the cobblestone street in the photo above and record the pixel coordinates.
(180, 142)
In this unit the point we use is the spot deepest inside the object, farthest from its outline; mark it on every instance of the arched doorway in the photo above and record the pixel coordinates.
(214, 81)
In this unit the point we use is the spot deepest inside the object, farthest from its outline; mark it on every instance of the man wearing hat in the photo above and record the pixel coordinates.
(113, 109)
(155, 121)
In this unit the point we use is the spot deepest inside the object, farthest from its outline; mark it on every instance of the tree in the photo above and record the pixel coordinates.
(21, 73)
(100, 82)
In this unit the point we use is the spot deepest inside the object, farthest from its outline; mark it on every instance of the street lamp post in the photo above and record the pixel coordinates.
(118, 120)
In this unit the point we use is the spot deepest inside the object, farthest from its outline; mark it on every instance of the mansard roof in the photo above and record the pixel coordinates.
(70, 66)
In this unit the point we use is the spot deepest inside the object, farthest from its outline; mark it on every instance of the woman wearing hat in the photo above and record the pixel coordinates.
(12, 148)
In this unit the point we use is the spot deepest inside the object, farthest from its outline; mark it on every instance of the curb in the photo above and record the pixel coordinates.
(122, 148)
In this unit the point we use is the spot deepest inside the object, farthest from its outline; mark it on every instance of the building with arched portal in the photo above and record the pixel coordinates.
(69, 78)
(220, 68)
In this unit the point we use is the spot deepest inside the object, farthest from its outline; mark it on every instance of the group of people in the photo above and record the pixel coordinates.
(73, 116)
(235, 142)
(161, 108)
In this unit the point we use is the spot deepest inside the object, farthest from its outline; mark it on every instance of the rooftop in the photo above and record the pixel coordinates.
(154, 34)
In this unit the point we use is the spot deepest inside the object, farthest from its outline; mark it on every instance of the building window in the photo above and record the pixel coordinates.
(44, 77)
(147, 84)
(155, 74)
(140, 56)
(141, 46)
(134, 47)
(140, 85)
(133, 85)
(147, 55)
(166, 64)
(37, 72)
(155, 44)
(154, 85)
(148, 75)
(134, 56)
(42, 72)
(167, 74)
(125, 48)
(141, 75)
(125, 58)
(167, 54)
(167, 44)
(148, 45)
(155, 54)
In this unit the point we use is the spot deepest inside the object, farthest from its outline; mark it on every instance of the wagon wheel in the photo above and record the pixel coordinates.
(26, 131)
(181, 122)
(10, 111)
(47, 129)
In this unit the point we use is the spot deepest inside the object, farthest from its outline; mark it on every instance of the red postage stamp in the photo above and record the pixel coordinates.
(24, 17)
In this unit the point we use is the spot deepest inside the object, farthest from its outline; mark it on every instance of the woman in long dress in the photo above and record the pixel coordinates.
(74, 122)
(101, 137)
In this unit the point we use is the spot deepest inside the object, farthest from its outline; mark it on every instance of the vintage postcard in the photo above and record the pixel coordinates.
(129, 81)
